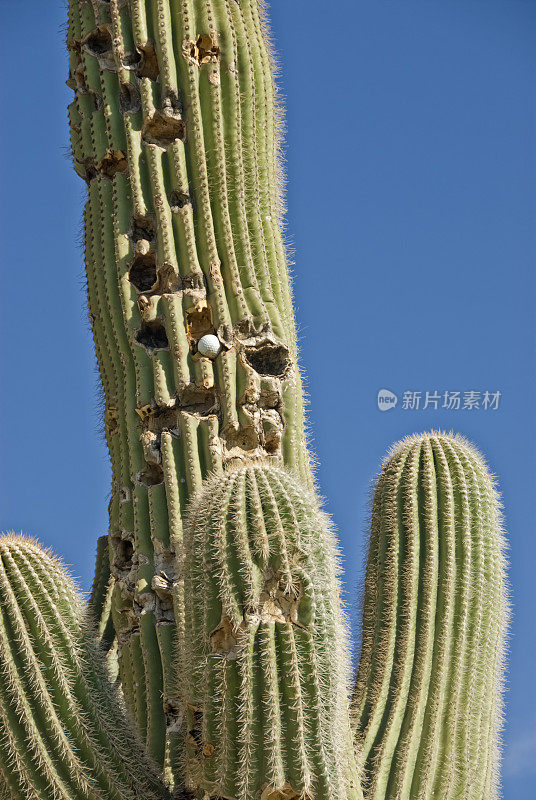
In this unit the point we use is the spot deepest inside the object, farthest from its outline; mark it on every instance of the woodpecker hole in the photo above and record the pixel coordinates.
(162, 130)
(223, 639)
(152, 336)
(131, 59)
(129, 98)
(178, 200)
(99, 41)
(142, 228)
(152, 475)
(123, 551)
(198, 322)
(203, 51)
(142, 273)
(114, 161)
(148, 67)
(196, 730)
(268, 359)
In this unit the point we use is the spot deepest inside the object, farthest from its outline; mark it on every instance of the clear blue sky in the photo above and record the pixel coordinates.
(411, 160)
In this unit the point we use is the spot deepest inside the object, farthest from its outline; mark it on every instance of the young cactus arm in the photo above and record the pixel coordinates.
(264, 643)
(175, 129)
(427, 703)
(62, 733)
(100, 600)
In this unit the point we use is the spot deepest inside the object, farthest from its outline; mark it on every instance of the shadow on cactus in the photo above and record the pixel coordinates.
(216, 596)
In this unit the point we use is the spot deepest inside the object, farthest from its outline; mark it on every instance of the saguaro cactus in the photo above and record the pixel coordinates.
(426, 702)
(217, 586)
(174, 128)
(264, 650)
(62, 733)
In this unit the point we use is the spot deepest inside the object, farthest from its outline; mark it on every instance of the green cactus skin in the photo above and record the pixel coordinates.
(264, 643)
(427, 703)
(62, 733)
(175, 129)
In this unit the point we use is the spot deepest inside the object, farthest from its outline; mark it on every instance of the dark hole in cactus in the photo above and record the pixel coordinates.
(142, 228)
(178, 200)
(97, 99)
(91, 171)
(142, 273)
(152, 336)
(203, 50)
(173, 712)
(129, 98)
(123, 551)
(152, 475)
(162, 130)
(268, 359)
(131, 59)
(148, 67)
(114, 161)
(196, 732)
(99, 41)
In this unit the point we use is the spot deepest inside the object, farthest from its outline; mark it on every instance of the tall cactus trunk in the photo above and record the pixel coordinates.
(175, 130)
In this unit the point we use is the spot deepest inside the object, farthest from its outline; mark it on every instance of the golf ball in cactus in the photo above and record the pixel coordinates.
(209, 345)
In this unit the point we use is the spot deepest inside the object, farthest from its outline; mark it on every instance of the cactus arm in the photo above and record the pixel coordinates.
(63, 733)
(426, 702)
(100, 599)
(101, 578)
(263, 644)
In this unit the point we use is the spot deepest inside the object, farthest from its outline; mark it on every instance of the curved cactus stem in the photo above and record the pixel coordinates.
(427, 705)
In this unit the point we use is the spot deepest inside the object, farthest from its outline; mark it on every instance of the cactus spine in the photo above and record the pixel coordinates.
(174, 128)
(263, 643)
(426, 701)
(62, 734)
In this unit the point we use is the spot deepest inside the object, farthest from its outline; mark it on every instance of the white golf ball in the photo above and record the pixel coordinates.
(209, 346)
